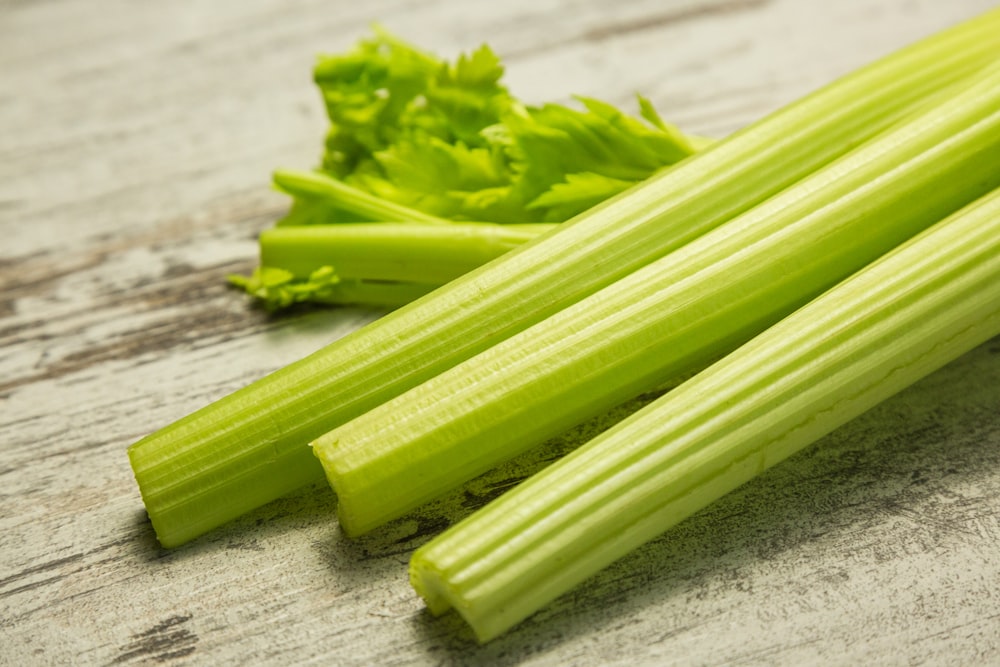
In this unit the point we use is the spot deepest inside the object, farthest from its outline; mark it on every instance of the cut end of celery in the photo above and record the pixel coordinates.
(167, 538)
(355, 511)
(364, 498)
(431, 584)
(164, 535)
(349, 516)
(348, 522)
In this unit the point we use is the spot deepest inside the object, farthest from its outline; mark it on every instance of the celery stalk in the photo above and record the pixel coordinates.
(884, 328)
(382, 264)
(313, 184)
(670, 317)
(249, 448)
(387, 251)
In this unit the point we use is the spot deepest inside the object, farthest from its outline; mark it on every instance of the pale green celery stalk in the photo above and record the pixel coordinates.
(884, 328)
(670, 317)
(432, 254)
(250, 447)
(313, 184)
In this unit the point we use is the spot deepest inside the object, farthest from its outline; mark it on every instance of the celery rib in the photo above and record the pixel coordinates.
(433, 254)
(897, 320)
(249, 448)
(312, 184)
(669, 317)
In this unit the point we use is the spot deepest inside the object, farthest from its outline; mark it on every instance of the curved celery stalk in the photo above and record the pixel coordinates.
(313, 185)
(433, 254)
(670, 317)
(249, 448)
(897, 320)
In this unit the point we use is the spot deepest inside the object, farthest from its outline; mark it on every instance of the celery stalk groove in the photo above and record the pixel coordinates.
(895, 321)
(669, 317)
(249, 448)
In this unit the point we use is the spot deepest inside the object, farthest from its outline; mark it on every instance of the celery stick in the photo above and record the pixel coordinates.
(387, 251)
(669, 317)
(381, 264)
(884, 328)
(314, 185)
(249, 448)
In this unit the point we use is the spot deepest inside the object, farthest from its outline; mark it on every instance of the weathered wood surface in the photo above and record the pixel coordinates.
(136, 140)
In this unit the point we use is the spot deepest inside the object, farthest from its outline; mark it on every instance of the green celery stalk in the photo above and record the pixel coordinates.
(884, 328)
(249, 448)
(670, 317)
(386, 251)
(376, 264)
(313, 185)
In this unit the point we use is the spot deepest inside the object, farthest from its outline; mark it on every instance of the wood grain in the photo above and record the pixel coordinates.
(135, 154)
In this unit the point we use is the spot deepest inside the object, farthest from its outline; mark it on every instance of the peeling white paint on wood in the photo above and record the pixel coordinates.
(136, 147)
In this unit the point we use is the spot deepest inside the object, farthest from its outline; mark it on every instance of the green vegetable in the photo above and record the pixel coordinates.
(388, 251)
(670, 317)
(319, 199)
(416, 140)
(451, 141)
(383, 263)
(250, 447)
(894, 322)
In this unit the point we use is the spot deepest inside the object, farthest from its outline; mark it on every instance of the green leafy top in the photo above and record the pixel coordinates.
(449, 140)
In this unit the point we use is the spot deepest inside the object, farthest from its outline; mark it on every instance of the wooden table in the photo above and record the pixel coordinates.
(136, 142)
